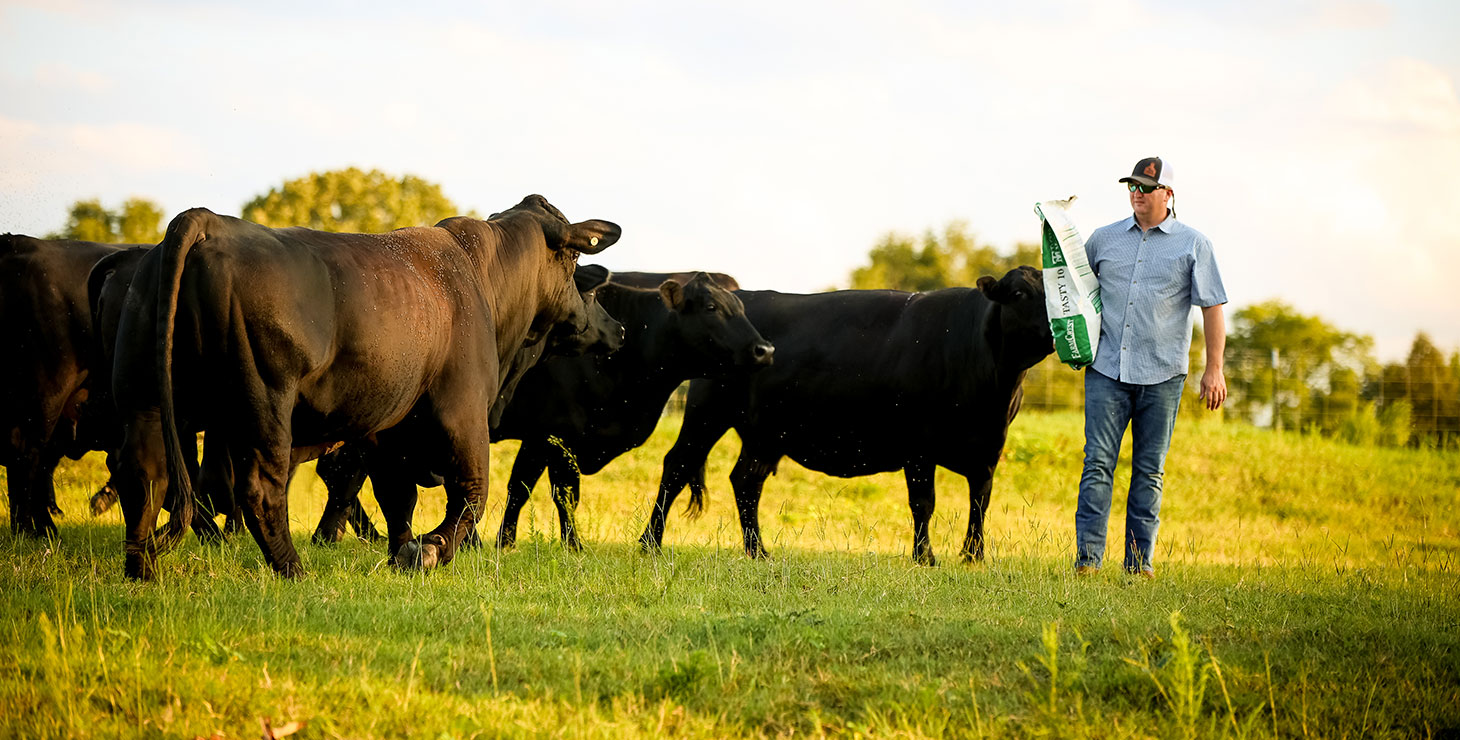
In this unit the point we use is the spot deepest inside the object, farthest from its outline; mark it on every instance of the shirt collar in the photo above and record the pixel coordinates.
(1169, 226)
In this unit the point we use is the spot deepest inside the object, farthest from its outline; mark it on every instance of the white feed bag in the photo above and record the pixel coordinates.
(1071, 292)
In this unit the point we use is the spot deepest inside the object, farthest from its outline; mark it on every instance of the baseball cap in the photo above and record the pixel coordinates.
(1151, 171)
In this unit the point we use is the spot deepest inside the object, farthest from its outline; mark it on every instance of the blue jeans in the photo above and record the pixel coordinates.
(1150, 411)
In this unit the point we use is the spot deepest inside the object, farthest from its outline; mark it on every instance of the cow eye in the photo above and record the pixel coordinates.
(710, 307)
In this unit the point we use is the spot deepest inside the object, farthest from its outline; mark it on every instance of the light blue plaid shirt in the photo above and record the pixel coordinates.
(1148, 284)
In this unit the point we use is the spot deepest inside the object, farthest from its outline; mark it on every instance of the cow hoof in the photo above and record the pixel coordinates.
(321, 539)
(140, 569)
(927, 560)
(103, 501)
(415, 555)
(408, 557)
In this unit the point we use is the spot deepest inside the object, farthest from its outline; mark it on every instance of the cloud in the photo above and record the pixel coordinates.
(1355, 15)
(47, 167)
(66, 76)
(1403, 94)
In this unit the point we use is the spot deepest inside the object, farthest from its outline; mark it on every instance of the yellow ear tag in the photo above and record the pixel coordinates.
(593, 242)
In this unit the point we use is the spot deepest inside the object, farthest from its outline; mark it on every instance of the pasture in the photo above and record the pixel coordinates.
(1306, 589)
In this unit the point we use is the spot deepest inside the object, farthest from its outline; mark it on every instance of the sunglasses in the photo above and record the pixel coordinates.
(1147, 189)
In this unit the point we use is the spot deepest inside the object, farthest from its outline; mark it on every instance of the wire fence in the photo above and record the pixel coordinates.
(1391, 405)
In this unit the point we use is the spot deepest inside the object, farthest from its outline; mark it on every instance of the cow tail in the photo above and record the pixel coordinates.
(696, 505)
(185, 231)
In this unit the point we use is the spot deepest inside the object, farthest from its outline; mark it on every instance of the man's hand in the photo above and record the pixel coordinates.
(1213, 382)
(1213, 388)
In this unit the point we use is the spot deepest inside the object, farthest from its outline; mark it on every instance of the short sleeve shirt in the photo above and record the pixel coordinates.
(1148, 284)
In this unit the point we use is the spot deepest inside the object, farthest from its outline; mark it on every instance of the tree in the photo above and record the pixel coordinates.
(138, 222)
(1310, 354)
(352, 200)
(953, 258)
(1433, 394)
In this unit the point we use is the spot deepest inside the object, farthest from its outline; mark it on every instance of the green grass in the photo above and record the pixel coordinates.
(1306, 589)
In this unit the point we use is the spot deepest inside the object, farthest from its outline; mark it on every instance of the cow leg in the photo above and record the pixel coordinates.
(466, 496)
(43, 497)
(566, 480)
(261, 477)
(359, 521)
(141, 482)
(343, 472)
(684, 464)
(106, 497)
(234, 523)
(527, 469)
(22, 475)
(396, 492)
(921, 498)
(748, 480)
(214, 482)
(39, 496)
(980, 486)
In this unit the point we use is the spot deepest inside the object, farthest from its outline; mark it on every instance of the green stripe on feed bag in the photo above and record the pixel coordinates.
(1053, 255)
(1072, 341)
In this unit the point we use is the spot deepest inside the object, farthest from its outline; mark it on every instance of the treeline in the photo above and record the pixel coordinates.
(348, 200)
(1284, 369)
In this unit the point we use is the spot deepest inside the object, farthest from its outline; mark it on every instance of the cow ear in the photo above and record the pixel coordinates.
(988, 286)
(672, 294)
(588, 277)
(592, 236)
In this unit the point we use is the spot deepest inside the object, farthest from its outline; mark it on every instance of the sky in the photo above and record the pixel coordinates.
(1316, 143)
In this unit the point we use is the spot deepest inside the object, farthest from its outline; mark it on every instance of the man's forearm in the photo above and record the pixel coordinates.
(1214, 329)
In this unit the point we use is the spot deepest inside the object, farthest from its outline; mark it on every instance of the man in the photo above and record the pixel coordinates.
(1152, 269)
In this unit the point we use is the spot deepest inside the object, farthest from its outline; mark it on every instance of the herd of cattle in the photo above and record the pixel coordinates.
(403, 355)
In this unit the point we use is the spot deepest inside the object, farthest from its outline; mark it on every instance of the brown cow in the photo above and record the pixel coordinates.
(283, 343)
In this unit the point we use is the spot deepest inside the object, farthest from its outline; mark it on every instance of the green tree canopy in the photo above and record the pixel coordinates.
(1311, 355)
(952, 258)
(1430, 388)
(352, 200)
(138, 222)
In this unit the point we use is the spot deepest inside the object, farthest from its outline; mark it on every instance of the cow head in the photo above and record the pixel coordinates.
(711, 322)
(1022, 316)
(588, 237)
(603, 334)
(563, 302)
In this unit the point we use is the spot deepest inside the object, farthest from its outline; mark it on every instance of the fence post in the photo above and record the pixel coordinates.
(1277, 420)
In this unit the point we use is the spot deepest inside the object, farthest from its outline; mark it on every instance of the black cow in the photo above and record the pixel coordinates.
(344, 471)
(282, 343)
(45, 327)
(107, 290)
(575, 415)
(867, 382)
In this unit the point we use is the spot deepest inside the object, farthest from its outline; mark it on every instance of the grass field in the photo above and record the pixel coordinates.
(1306, 589)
